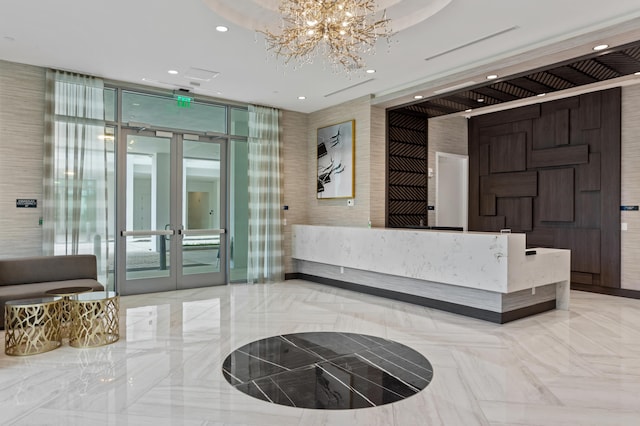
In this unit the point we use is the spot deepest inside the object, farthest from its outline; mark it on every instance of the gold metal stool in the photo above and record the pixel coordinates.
(94, 319)
(32, 326)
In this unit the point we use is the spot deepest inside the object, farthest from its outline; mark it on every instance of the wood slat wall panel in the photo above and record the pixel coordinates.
(407, 169)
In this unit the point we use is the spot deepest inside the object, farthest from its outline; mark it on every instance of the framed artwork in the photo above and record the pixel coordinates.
(336, 160)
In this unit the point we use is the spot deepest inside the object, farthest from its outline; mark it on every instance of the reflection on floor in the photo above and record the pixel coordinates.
(327, 370)
(577, 367)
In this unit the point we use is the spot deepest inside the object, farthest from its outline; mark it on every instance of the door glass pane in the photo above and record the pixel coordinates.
(167, 112)
(201, 207)
(148, 206)
(239, 206)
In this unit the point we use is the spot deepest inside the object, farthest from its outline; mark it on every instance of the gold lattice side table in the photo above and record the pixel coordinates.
(94, 319)
(32, 326)
(67, 293)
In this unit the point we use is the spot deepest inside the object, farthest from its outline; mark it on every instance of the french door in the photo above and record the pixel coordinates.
(171, 211)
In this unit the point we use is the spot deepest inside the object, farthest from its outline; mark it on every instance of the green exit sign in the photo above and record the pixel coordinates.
(183, 101)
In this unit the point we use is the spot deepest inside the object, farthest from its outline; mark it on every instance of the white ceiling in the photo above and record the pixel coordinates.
(140, 40)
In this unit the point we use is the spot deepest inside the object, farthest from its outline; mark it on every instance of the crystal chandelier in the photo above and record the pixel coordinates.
(340, 30)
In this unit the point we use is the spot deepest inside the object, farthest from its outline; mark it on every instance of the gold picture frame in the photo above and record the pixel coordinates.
(336, 158)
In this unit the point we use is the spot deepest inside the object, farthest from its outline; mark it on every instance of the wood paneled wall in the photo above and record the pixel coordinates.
(407, 169)
(552, 170)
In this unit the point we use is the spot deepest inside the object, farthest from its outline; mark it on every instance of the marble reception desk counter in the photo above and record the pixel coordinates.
(479, 274)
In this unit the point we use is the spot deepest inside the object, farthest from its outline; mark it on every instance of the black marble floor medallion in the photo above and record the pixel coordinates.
(327, 370)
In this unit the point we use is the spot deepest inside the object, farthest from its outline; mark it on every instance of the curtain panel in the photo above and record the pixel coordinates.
(265, 261)
(76, 156)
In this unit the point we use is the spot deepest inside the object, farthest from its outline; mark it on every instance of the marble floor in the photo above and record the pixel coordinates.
(577, 367)
(327, 370)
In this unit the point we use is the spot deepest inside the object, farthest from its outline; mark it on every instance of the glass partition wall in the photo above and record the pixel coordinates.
(177, 191)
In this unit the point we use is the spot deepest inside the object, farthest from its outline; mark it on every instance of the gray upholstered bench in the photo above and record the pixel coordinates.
(30, 277)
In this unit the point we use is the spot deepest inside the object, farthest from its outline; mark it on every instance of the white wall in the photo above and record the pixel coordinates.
(446, 134)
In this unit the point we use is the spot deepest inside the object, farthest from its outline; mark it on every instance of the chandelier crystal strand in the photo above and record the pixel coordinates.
(343, 31)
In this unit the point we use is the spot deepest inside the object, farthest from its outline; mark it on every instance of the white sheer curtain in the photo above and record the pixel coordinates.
(265, 258)
(75, 207)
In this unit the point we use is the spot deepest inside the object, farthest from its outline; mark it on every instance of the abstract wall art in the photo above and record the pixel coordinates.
(336, 160)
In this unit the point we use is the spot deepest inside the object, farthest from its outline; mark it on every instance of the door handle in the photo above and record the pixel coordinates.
(147, 233)
(201, 232)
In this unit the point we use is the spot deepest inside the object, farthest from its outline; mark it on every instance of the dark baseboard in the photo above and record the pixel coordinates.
(622, 292)
(292, 276)
(495, 317)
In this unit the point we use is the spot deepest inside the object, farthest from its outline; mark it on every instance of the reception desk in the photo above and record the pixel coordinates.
(478, 274)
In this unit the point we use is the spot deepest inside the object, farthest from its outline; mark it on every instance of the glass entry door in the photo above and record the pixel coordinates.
(171, 211)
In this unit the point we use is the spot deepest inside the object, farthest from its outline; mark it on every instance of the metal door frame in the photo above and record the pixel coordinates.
(176, 280)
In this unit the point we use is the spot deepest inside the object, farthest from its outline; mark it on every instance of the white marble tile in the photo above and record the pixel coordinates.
(566, 368)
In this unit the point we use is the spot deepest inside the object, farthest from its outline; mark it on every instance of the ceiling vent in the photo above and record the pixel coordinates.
(199, 74)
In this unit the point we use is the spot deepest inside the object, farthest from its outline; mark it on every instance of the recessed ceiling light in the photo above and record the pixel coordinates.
(172, 72)
(542, 94)
(492, 76)
(600, 47)
(468, 110)
(371, 71)
(637, 73)
(480, 99)
(302, 98)
(418, 97)
(222, 28)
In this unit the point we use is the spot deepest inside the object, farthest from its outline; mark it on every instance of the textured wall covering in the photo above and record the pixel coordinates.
(336, 211)
(21, 140)
(446, 134)
(377, 167)
(630, 170)
(296, 175)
